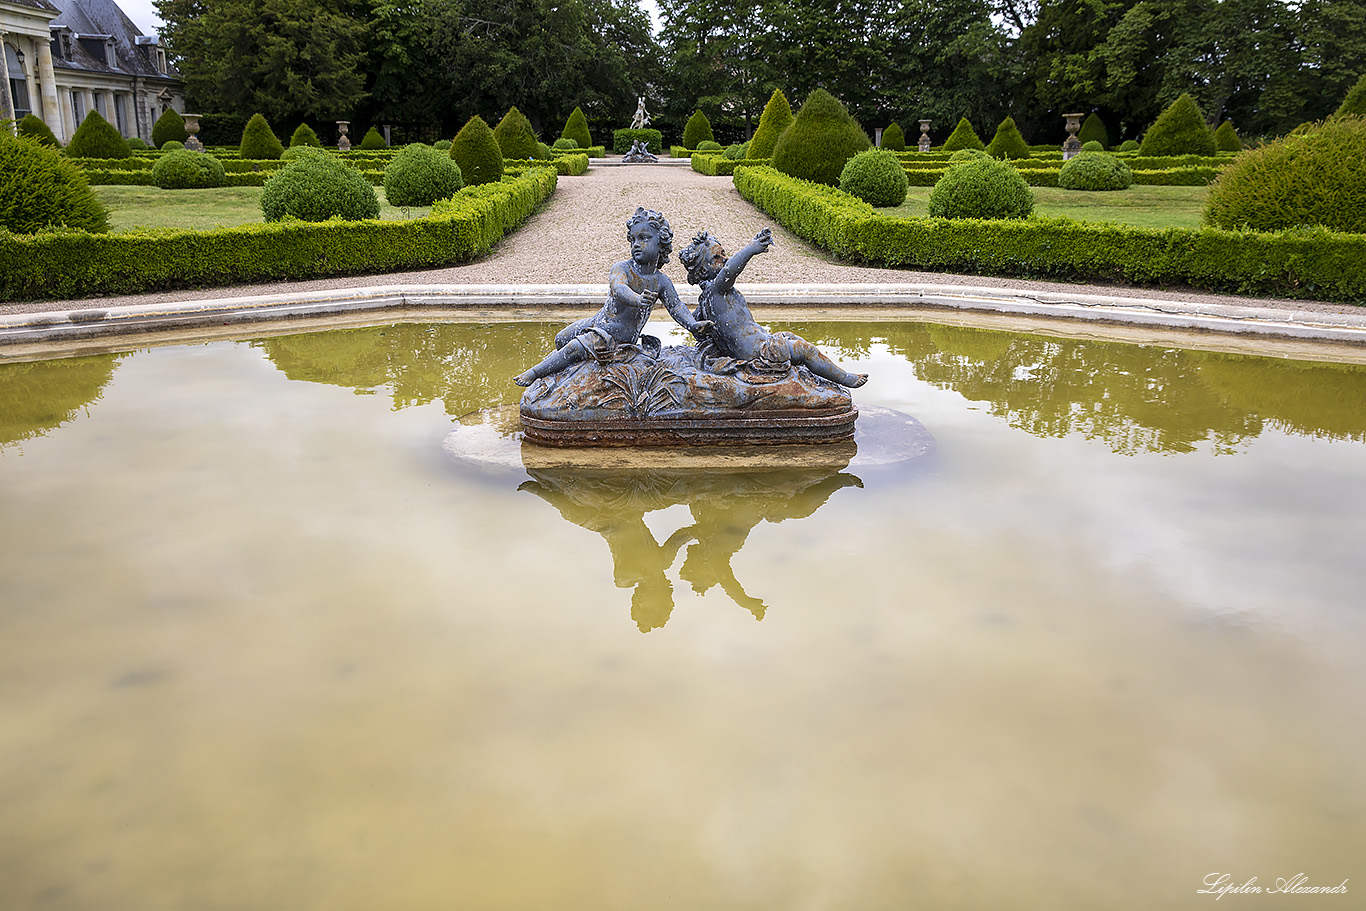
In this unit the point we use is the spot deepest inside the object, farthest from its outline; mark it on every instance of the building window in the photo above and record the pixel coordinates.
(99, 105)
(18, 82)
(161, 60)
(76, 106)
(120, 120)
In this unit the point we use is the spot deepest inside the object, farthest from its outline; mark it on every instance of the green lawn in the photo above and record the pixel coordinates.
(1143, 207)
(133, 208)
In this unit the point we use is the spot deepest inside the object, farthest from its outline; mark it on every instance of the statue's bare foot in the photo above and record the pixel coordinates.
(859, 380)
(526, 379)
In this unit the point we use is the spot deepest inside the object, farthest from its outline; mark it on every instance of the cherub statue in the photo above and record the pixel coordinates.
(634, 285)
(734, 340)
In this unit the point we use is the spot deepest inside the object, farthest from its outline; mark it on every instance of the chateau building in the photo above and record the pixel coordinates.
(64, 58)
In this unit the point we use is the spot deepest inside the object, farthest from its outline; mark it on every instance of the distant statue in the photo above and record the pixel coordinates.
(641, 120)
(634, 285)
(735, 342)
(639, 154)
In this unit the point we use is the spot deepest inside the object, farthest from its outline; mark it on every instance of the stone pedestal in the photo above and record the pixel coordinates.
(192, 127)
(1071, 147)
(925, 143)
(343, 144)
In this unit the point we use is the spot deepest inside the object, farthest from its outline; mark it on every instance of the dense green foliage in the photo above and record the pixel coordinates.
(876, 177)
(259, 141)
(893, 140)
(564, 145)
(169, 126)
(515, 136)
(981, 188)
(172, 145)
(1008, 143)
(736, 151)
(653, 139)
(963, 137)
(1092, 145)
(1180, 130)
(41, 188)
(1095, 170)
(34, 128)
(477, 153)
(1355, 102)
(1314, 179)
(1226, 138)
(316, 188)
(419, 175)
(1093, 130)
(819, 141)
(294, 153)
(97, 138)
(458, 230)
(184, 170)
(698, 130)
(1315, 264)
(373, 141)
(576, 129)
(304, 136)
(777, 116)
(1129, 145)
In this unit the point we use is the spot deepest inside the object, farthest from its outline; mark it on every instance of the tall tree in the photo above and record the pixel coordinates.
(718, 62)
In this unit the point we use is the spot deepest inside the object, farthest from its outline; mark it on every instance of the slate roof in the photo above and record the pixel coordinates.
(101, 18)
(35, 4)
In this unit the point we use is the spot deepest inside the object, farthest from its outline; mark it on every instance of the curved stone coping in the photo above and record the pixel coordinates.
(94, 322)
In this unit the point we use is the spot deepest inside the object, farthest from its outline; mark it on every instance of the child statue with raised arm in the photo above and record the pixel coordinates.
(634, 285)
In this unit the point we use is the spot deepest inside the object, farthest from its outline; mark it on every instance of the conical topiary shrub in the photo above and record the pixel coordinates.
(893, 140)
(576, 128)
(1226, 138)
(1093, 130)
(1355, 102)
(259, 142)
(1179, 130)
(97, 138)
(820, 141)
(477, 153)
(777, 116)
(373, 141)
(34, 128)
(170, 126)
(963, 137)
(515, 136)
(697, 130)
(304, 136)
(1008, 143)
(41, 187)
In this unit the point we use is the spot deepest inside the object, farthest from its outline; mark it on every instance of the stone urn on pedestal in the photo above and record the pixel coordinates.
(925, 136)
(343, 144)
(1071, 146)
(192, 127)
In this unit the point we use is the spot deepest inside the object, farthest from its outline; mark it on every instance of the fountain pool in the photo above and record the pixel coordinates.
(264, 643)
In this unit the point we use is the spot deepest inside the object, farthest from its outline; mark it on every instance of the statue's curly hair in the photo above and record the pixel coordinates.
(696, 257)
(660, 224)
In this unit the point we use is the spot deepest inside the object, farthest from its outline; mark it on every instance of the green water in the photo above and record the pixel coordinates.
(264, 644)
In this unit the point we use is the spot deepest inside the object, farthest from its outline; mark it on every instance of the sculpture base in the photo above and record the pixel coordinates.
(767, 428)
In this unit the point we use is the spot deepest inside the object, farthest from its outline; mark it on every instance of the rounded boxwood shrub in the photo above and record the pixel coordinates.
(697, 130)
(477, 153)
(1226, 138)
(544, 152)
(304, 136)
(173, 145)
(34, 128)
(1008, 143)
(515, 136)
(876, 177)
(893, 140)
(819, 141)
(294, 153)
(40, 187)
(1355, 102)
(1092, 146)
(967, 155)
(184, 170)
(1093, 130)
(136, 144)
(1129, 145)
(981, 188)
(963, 137)
(1313, 179)
(373, 140)
(97, 138)
(419, 175)
(442, 144)
(259, 142)
(1179, 130)
(1095, 170)
(170, 125)
(736, 151)
(564, 144)
(316, 187)
(708, 145)
(576, 128)
(777, 116)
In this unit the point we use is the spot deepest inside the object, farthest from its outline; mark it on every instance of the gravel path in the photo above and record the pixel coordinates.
(581, 231)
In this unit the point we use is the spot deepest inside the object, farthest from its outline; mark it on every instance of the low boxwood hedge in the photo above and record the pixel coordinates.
(1304, 263)
(73, 264)
(713, 165)
(1044, 175)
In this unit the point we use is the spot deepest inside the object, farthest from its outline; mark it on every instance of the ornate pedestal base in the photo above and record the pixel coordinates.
(770, 428)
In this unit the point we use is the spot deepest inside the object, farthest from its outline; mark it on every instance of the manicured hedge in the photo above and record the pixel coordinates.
(622, 139)
(74, 264)
(1044, 175)
(714, 165)
(1306, 263)
(566, 165)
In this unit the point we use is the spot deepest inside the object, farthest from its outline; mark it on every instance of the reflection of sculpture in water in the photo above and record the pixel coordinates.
(725, 507)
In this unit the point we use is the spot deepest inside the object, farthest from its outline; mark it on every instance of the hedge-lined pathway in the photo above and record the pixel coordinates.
(577, 236)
